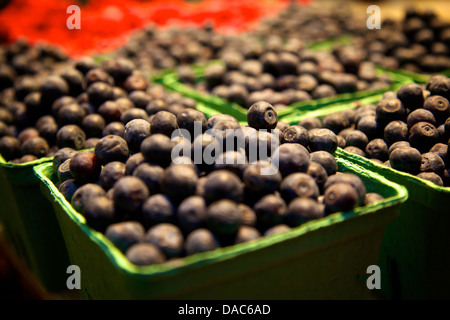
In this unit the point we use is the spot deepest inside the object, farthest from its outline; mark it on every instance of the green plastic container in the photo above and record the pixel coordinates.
(218, 105)
(322, 259)
(31, 225)
(415, 245)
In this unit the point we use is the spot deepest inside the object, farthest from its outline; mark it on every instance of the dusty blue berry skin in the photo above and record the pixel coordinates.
(144, 254)
(223, 184)
(129, 194)
(168, 238)
(158, 209)
(112, 148)
(191, 213)
(84, 194)
(224, 217)
(124, 234)
(135, 132)
(201, 240)
(111, 173)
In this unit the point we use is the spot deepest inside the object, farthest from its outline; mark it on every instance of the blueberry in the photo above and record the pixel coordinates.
(144, 254)
(223, 217)
(411, 95)
(248, 215)
(223, 184)
(26, 134)
(439, 85)
(99, 213)
(179, 182)
(438, 106)
(201, 240)
(351, 179)
(298, 185)
(111, 148)
(129, 194)
(120, 69)
(53, 88)
(295, 134)
(191, 213)
(318, 173)
(156, 105)
(111, 173)
(399, 144)
(340, 196)
(47, 128)
(323, 91)
(291, 157)
(431, 162)
(85, 166)
(135, 132)
(70, 136)
(355, 150)
(85, 194)
(406, 159)
(326, 160)
(390, 110)
(278, 229)
(71, 113)
(133, 114)
(68, 188)
(356, 138)
(158, 209)
(322, 140)
(302, 210)
(111, 111)
(91, 143)
(98, 75)
(114, 128)
(215, 119)
(99, 92)
(441, 150)
(233, 161)
(125, 234)
(377, 149)
(63, 171)
(152, 176)
(157, 148)
(93, 125)
(372, 197)
(270, 210)
(369, 126)
(259, 182)
(396, 131)
(133, 162)
(37, 147)
(431, 176)
(423, 136)
(262, 115)
(246, 233)
(75, 80)
(164, 122)
(335, 122)
(139, 98)
(310, 123)
(135, 82)
(167, 237)
(420, 115)
(9, 148)
(187, 118)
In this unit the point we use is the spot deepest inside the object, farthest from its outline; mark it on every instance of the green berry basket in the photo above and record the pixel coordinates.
(219, 105)
(322, 259)
(415, 245)
(30, 223)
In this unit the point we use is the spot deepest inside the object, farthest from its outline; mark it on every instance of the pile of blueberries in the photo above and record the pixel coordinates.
(72, 105)
(419, 43)
(155, 207)
(408, 130)
(283, 73)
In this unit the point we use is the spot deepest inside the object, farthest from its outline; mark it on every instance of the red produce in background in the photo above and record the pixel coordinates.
(107, 24)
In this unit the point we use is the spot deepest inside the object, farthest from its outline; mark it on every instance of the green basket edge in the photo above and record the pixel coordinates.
(400, 195)
(371, 165)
